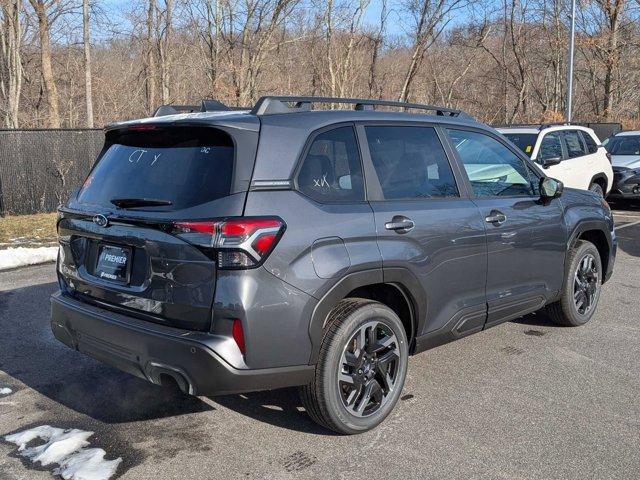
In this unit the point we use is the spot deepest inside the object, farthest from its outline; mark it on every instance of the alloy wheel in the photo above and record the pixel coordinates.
(368, 369)
(585, 284)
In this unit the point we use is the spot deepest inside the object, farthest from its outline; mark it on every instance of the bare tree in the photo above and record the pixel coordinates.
(250, 35)
(150, 66)
(42, 8)
(430, 17)
(164, 23)
(341, 47)
(10, 61)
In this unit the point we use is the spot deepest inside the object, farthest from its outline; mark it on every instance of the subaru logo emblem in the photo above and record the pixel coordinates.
(101, 220)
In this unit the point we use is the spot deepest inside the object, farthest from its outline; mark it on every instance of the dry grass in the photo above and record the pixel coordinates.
(28, 230)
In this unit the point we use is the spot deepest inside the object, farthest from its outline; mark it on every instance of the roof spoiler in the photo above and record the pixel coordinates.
(289, 104)
(207, 105)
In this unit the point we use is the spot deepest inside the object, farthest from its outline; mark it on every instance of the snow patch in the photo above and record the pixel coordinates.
(5, 391)
(21, 256)
(67, 449)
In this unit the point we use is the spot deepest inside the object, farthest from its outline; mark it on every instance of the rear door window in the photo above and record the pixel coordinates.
(410, 162)
(551, 146)
(575, 147)
(183, 166)
(331, 170)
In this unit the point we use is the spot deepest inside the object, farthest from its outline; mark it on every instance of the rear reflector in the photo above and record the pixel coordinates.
(238, 334)
(243, 242)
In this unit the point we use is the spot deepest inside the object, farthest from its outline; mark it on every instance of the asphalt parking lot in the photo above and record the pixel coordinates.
(526, 399)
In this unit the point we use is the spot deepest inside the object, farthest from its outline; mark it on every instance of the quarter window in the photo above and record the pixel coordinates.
(551, 146)
(592, 146)
(492, 168)
(331, 171)
(575, 147)
(410, 162)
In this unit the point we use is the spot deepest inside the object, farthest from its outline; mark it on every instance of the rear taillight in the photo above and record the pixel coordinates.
(243, 242)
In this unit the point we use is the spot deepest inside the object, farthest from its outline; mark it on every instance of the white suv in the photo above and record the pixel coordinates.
(570, 153)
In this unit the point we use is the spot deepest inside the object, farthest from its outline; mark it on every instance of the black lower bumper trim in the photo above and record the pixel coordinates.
(150, 351)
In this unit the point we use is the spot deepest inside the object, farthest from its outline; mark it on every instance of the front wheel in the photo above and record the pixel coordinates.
(361, 367)
(581, 290)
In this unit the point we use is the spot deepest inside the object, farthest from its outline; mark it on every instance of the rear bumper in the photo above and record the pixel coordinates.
(150, 351)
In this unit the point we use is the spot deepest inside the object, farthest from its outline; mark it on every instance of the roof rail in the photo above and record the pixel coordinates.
(280, 104)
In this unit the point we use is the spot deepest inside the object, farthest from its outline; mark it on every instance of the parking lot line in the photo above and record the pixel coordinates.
(627, 225)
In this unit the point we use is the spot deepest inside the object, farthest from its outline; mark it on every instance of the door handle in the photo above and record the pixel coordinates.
(400, 224)
(496, 217)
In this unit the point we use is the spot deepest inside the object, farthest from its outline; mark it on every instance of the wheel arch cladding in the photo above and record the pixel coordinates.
(599, 239)
(394, 297)
(369, 284)
(600, 179)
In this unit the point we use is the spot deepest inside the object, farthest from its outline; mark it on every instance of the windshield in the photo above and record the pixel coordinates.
(170, 168)
(623, 145)
(524, 141)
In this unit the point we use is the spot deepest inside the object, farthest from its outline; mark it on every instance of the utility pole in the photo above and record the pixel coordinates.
(87, 63)
(568, 113)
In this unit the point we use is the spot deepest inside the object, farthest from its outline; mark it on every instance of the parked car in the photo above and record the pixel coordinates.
(232, 251)
(571, 153)
(624, 148)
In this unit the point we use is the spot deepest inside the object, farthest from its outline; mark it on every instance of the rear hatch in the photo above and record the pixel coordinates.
(120, 245)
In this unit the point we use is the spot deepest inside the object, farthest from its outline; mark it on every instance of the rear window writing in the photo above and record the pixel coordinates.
(186, 166)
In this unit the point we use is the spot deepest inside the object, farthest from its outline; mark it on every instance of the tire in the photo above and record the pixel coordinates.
(337, 404)
(597, 189)
(579, 287)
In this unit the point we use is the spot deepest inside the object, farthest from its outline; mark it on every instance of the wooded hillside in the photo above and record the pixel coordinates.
(76, 63)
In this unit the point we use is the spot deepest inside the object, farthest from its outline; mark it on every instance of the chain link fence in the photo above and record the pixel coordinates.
(40, 168)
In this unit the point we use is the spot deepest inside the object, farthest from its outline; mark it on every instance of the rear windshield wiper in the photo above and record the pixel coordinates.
(138, 202)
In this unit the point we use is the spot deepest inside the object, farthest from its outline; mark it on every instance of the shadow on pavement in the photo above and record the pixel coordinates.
(539, 318)
(33, 356)
(281, 408)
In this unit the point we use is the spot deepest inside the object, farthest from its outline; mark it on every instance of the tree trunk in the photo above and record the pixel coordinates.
(150, 60)
(10, 61)
(165, 47)
(51, 91)
(87, 63)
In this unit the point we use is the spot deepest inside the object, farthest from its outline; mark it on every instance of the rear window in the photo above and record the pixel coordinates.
(186, 166)
(524, 141)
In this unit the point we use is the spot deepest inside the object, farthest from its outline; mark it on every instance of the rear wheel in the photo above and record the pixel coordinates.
(581, 290)
(361, 367)
(597, 189)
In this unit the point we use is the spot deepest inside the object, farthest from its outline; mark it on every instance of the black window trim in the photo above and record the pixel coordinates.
(516, 151)
(374, 190)
(305, 150)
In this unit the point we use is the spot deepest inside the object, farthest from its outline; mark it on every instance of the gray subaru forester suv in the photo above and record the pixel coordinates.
(238, 250)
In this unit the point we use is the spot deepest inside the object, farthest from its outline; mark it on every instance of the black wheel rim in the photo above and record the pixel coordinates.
(585, 284)
(368, 369)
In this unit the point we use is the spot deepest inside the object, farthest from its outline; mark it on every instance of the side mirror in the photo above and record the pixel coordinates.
(550, 188)
(549, 162)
